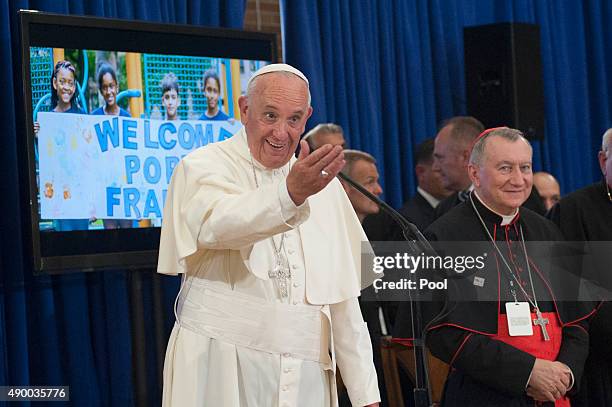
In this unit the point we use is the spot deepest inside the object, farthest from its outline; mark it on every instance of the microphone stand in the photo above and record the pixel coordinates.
(418, 244)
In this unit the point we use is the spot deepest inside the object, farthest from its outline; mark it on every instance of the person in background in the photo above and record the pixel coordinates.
(361, 167)
(430, 188)
(64, 99)
(171, 99)
(585, 215)
(548, 188)
(325, 133)
(109, 89)
(212, 91)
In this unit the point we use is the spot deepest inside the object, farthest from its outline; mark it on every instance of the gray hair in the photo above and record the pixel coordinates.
(606, 140)
(322, 128)
(253, 82)
(478, 151)
(352, 156)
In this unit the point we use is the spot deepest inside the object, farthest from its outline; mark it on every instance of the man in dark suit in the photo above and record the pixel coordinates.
(420, 208)
(430, 190)
(585, 215)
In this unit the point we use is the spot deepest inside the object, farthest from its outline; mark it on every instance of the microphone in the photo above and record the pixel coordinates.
(418, 244)
(410, 231)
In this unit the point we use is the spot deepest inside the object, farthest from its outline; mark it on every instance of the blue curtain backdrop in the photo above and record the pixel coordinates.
(389, 71)
(75, 329)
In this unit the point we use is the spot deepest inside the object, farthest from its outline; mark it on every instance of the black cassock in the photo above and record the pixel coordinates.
(586, 215)
(486, 371)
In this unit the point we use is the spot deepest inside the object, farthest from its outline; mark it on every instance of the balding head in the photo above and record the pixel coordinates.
(452, 150)
(325, 133)
(605, 156)
(548, 188)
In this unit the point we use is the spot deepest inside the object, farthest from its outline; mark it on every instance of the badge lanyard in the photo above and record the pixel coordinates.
(539, 320)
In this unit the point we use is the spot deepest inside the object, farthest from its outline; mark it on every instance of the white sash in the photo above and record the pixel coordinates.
(241, 319)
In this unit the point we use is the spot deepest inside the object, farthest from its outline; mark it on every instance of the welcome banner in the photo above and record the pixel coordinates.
(112, 167)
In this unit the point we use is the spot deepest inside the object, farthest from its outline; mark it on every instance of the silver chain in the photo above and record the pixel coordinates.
(534, 303)
(277, 250)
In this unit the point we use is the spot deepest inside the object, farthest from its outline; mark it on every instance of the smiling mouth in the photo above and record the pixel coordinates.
(275, 146)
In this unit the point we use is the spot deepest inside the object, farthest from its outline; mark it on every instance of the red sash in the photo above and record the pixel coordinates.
(535, 344)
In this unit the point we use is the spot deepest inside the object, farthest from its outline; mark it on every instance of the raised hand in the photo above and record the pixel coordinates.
(313, 171)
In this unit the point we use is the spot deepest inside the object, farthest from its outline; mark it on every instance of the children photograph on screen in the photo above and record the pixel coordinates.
(212, 92)
(64, 100)
(171, 99)
(63, 90)
(108, 86)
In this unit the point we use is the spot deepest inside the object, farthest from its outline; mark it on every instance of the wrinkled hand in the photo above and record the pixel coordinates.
(306, 178)
(549, 381)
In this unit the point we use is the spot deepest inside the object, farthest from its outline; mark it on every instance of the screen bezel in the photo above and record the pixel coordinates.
(52, 252)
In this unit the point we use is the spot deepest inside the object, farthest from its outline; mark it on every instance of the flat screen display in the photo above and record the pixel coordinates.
(111, 107)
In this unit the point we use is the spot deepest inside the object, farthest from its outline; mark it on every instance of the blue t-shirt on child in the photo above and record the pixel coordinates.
(219, 116)
(100, 111)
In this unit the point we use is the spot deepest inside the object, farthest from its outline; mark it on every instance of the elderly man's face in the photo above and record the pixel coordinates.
(504, 179)
(274, 117)
(605, 161)
(450, 160)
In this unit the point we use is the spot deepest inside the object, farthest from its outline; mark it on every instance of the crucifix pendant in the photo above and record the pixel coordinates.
(281, 274)
(542, 322)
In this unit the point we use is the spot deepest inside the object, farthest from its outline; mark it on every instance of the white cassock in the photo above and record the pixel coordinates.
(237, 341)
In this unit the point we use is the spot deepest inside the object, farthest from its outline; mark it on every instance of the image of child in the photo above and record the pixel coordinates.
(212, 90)
(171, 99)
(109, 88)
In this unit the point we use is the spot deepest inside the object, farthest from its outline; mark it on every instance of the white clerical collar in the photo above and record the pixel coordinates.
(428, 197)
(506, 219)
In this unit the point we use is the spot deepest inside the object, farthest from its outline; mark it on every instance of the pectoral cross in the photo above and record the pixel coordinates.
(281, 274)
(542, 322)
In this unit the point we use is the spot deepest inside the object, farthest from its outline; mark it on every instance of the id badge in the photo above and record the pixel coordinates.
(519, 319)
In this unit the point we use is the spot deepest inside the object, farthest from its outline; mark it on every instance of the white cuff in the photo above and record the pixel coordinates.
(291, 213)
(572, 381)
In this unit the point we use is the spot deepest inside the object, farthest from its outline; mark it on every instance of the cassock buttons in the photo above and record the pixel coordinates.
(291, 251)
(296, 284)
(294, 266)
(287, 355)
